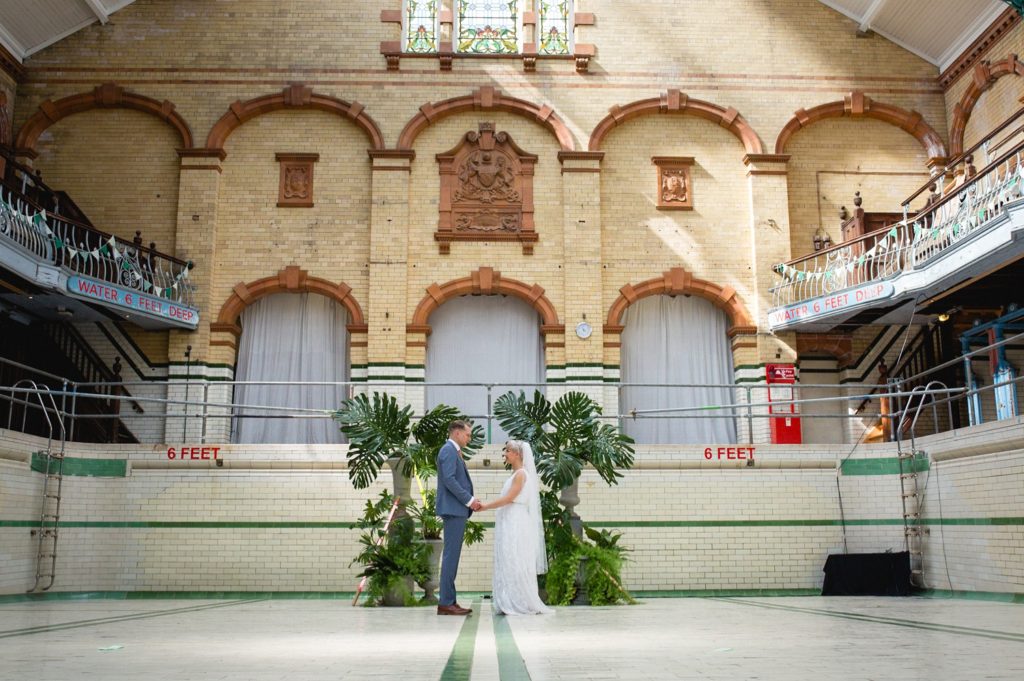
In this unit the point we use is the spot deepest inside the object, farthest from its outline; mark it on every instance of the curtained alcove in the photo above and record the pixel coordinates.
(483, 339)
(294, 338)
(679, 340)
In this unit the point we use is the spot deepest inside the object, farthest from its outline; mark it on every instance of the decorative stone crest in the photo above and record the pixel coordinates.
(675, 185)
(486, 191)
(295, 189)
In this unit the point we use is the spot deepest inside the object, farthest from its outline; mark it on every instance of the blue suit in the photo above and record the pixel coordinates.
(454, 492)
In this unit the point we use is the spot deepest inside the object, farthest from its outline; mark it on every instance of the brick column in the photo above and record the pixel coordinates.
(581, 205)
(390, 348)
(196, 240)
(769, 225)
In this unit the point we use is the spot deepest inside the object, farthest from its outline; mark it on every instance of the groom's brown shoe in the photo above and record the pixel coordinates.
(454, 609)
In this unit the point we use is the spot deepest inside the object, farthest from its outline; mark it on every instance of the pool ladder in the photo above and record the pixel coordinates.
(48, 530)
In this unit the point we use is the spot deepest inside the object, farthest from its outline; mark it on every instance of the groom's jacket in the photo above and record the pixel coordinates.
(454, 488)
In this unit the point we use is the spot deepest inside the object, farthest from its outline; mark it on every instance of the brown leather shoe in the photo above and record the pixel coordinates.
(454, 609)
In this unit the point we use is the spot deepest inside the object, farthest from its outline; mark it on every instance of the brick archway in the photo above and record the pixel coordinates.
(485, 281)
(293, 97)
(858, 105)
(485, 99)
(676, 102)
(678, 281)
(983, 78)
(291, 279)
(106, 96)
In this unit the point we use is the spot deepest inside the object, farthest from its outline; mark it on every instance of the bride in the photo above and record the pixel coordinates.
(519, 551)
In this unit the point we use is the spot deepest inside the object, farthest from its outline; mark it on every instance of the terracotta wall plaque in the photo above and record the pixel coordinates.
(675, 185)
(295, 189)
(486, 191)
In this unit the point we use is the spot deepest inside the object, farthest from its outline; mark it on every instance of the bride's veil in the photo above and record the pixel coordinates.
(532, 491)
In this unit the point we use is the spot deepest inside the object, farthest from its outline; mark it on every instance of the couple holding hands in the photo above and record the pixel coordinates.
(519, 551)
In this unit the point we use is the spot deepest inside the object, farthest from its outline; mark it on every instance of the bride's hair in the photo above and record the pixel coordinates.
(517, 445)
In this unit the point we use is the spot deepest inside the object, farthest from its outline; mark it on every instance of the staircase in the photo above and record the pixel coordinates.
(58, 349)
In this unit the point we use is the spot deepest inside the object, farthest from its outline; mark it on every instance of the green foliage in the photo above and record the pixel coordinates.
(602, 566)
(378, 430)
(565, 436)
(389, 561)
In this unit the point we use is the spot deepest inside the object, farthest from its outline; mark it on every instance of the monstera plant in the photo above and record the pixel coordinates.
(565, 436)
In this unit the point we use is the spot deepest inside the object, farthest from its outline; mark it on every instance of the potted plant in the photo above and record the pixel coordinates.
(380, 432)
(566, 436)
(391, 560)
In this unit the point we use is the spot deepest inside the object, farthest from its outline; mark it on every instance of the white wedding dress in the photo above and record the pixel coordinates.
(514, 591)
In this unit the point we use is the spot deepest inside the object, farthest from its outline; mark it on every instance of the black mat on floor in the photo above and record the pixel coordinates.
(867, 574)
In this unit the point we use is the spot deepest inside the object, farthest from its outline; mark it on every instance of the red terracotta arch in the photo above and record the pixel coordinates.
(678, 102)
(857, 104)
(485, 99)
(106, 96)
(291, 279)
(296, 96)
(485, 281)
(678, 281)
(983, 78)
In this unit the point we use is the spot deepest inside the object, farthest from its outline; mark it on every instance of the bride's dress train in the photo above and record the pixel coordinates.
(515, 559)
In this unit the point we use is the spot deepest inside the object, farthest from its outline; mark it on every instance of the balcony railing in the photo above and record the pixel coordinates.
(958, 210)
(81, 249)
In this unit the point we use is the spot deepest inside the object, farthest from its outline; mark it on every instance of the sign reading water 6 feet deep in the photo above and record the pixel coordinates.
(104, 292)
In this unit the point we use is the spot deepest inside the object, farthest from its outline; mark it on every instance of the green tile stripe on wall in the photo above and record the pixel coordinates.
(885, 465)
(607, 524)
(95, 468)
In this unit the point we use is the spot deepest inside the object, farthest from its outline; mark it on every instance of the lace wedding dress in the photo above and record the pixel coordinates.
(514, 589)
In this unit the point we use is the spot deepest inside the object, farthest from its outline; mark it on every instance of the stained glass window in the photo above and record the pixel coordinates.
(488, 26)
(554, 30)
(421, 26)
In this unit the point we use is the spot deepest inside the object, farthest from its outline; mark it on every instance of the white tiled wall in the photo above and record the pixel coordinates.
(979, 473)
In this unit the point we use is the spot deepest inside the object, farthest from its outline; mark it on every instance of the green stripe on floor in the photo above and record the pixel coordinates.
(460, 662)
(913, 624)
(43, 629)
(511, 666)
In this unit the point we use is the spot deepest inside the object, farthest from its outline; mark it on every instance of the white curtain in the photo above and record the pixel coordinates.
(678, 340)
(291, 337)
(483, 339)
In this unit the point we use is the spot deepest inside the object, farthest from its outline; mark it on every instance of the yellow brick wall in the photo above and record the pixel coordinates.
(256, 238)
(639, 241)
(839, 156)
(765, 59)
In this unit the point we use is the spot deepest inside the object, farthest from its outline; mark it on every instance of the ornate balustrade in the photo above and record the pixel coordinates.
(963, 207)
(81, 249)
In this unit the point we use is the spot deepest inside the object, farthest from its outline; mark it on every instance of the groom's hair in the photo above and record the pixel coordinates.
(458, 424)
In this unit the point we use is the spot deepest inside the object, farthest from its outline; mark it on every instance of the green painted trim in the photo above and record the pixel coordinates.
(742, 367)
(609, 524)
(357, 366)
(391, 378)
(885, 465)
(913, 624)
(175, 595)
(187, 524)
(197, 378)
(208, 365)
(76, 466)
(726, 593)
(385, 364)
(995, 596)
(511, 666)
(585, 364)
(460, 661)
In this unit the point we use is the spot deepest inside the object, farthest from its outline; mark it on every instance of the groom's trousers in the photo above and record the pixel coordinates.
(454, 530)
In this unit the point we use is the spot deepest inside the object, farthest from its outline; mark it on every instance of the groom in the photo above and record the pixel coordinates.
(455, 503)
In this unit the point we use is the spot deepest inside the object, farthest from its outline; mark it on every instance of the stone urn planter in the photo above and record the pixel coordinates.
(430, 585)
(395, 596)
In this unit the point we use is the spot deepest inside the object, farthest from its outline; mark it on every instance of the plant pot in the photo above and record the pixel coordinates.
(401, 485)
(395, 595)
(431, 584)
